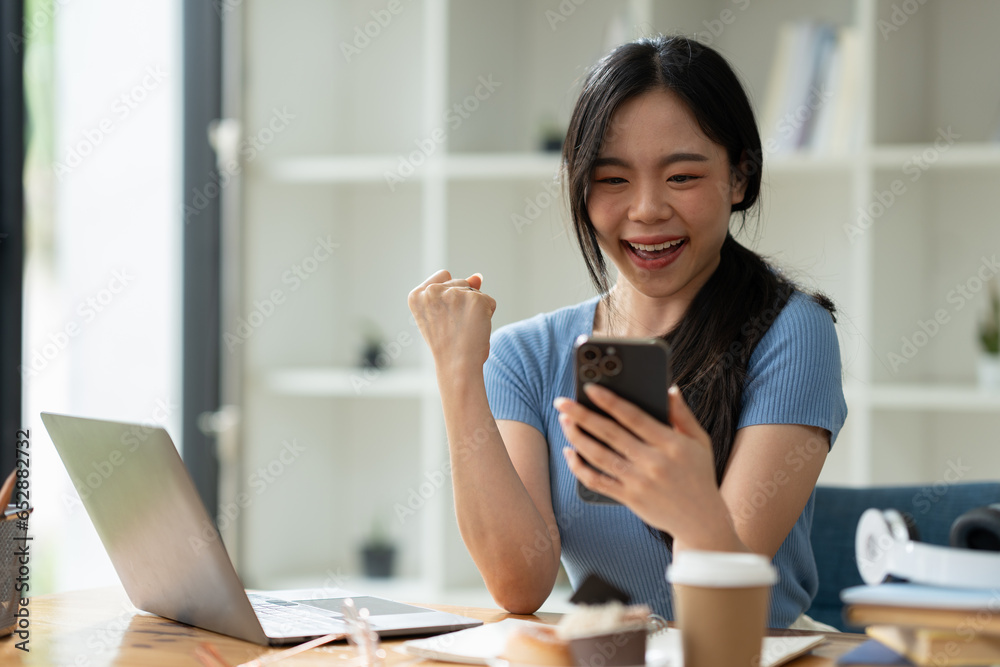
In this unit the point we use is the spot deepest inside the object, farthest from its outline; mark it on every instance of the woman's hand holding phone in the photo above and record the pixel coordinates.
(663, 473)
(454, 318)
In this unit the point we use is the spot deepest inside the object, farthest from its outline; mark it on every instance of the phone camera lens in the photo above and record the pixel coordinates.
(611, 365)
(590, 353)
(590, 373)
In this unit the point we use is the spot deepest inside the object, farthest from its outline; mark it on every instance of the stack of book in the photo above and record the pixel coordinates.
(929, 625)
(812, 103)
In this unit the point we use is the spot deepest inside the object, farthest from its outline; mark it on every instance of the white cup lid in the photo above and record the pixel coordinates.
(721, 569)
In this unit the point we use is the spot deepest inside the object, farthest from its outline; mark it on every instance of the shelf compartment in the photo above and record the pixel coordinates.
(933, 245)
(302, 62)
(332, 169)
(373, 168)
(933, 70)
(501, 166)
(927, 397)
(796, 163)
(333, 382)
(956, 156)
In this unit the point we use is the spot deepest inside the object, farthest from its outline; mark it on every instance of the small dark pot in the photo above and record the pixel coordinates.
(377, 560)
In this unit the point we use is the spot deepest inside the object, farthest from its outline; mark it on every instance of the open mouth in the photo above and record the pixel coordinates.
(652, 253)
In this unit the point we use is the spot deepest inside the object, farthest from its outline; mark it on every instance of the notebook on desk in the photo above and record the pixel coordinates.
(170, 558)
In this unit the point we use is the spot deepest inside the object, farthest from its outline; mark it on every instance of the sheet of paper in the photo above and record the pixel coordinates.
(483, 645)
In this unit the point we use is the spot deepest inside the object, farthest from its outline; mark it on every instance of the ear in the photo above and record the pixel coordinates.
(738, 180)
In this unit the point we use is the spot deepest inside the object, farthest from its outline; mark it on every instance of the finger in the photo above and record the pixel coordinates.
(607, 430)
(440, 288)
(412, 299)
(681, 416)
(592, 479)
(646, 427)
(475, 281)
(599, 455)
(438, 277)
(462, 283)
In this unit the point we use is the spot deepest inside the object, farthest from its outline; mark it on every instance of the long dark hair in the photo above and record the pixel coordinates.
(733, 310)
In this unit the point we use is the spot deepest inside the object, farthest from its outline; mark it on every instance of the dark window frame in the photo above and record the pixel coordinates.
(201, 384)
(12, 155)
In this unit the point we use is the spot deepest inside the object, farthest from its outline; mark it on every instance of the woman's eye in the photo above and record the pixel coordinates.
(611, 180)
(681, 178)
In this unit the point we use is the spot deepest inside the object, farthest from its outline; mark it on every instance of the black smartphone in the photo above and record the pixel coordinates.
(637, 369)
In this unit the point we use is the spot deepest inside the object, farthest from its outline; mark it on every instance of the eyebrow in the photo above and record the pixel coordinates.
(665, 161)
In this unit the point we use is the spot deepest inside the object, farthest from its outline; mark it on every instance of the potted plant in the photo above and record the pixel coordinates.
(378, 553)
(988, 370)
(371, 351)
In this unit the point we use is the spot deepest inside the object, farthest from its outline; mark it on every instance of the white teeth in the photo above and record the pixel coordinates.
(653, 248)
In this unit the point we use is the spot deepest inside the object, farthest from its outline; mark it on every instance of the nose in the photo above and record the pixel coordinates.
(650, 203)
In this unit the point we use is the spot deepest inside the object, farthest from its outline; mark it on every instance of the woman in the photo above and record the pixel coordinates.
(661, 150)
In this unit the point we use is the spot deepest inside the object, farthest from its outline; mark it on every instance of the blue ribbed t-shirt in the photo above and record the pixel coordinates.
(793, 377)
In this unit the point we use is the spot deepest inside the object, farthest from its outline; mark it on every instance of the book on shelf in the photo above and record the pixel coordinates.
(932, 646)
(812, 99)
(953, 620)
(916, 605)
(898, 594)
(929, 625)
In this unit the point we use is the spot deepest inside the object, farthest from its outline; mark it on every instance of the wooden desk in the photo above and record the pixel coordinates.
(100, 627)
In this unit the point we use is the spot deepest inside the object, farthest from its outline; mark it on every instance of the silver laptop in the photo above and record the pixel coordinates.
(153, 524)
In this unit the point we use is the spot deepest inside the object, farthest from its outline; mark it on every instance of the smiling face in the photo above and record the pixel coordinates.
(660, 198)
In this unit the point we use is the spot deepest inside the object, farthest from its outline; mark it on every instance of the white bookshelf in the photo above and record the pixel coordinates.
(351, 382)
(325, 175)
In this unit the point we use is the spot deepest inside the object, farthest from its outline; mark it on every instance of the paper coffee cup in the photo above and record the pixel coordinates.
(721, 602)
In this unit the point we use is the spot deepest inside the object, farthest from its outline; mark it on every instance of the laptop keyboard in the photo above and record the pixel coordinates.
(282, 618)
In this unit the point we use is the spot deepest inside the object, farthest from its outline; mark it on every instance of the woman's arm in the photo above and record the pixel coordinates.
(771, 473)
(499, 470)
(666, 475)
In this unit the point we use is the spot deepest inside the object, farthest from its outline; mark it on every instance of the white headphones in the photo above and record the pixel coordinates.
(886, 544)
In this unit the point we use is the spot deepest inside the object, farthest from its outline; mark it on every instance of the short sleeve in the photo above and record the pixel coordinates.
(513, 376)
(794, 375)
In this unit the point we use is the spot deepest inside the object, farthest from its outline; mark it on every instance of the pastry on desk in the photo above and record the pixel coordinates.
(609, 635)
